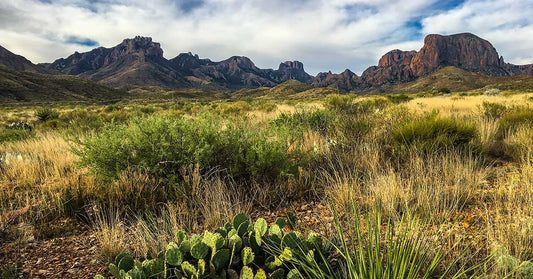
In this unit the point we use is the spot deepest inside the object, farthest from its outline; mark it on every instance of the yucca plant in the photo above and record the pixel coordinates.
(373, 249)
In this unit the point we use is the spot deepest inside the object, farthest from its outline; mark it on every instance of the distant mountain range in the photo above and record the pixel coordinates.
(139, 62)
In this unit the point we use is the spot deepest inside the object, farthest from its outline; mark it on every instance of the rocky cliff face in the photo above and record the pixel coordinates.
(392, 67)
(345, 81)
(465, 51)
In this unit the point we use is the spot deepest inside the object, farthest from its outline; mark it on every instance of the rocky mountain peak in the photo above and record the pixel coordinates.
(297, 65)
(139, 45)
(396, 57)
(465, 50)
(242, 62)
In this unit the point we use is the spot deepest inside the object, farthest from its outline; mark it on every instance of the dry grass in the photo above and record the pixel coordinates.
(41, 175)
(463, 105)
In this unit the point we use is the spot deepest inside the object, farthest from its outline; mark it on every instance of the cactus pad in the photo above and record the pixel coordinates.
(260, 274)
(126, 263)
(188, 269)
(247, 256)
(261, 226)
(221, 259)
(199, 250)
(247, 273)
(174, 257)
(239, 219)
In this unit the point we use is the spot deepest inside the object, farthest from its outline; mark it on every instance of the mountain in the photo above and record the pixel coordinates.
(139, 61)
(464, 51)
(24, 86)
(19, 63)
(346, 81)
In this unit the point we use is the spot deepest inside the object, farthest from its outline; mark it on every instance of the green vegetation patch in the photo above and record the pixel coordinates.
(433, 134)
(163, 147)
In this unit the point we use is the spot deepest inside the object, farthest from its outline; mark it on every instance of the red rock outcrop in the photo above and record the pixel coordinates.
(392, 67)
(346, 81)
(466, 51)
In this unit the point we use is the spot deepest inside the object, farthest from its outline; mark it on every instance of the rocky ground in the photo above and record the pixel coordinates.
(75, 256)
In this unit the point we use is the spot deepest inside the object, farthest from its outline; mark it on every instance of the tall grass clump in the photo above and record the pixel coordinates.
(513, 120)
(318, 120)
(434, 134)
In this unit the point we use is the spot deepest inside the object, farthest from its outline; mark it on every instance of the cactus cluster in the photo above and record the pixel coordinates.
(236, 250)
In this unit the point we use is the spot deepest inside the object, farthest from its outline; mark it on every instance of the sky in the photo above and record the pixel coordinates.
(323, 34)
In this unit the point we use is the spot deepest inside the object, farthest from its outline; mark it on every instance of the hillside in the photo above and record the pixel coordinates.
(18, 86)
(457, 80)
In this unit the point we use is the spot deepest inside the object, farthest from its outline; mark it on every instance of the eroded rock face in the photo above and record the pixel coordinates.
(392, 67)
(465, 51)
(346, 81)
(140, 46)
(140, 61)
(297, 65)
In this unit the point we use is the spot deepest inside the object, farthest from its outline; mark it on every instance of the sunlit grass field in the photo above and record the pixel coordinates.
(454, 170)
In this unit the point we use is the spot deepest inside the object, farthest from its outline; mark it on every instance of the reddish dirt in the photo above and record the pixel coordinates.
(61, 257)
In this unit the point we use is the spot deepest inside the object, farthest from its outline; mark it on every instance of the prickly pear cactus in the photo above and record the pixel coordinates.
(240, 249)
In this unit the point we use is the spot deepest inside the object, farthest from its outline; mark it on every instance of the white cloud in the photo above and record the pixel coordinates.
(323, 34)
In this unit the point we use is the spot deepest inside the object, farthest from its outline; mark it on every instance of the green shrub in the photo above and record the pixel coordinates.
(433, 134)
(515, 119)
(45, 114)
(493, 110)
(163, 147)
(82, 120)
(400, 98)
(147, 109)
(318, 120)
(9, 135)
(444, 90)
(239, 247)
(339, 102)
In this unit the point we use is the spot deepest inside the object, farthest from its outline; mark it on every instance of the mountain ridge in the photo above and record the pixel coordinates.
(139, 61)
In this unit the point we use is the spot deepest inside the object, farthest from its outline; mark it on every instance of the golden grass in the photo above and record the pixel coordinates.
(444, 188)
(463, 105)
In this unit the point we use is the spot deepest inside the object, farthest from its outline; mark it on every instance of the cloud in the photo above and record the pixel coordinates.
(323, 34)
(81, 41)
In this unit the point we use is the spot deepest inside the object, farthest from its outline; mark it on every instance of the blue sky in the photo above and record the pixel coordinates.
(323, 34)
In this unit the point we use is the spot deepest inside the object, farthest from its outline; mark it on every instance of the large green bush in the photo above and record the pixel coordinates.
(433, 134)
(163, 147)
